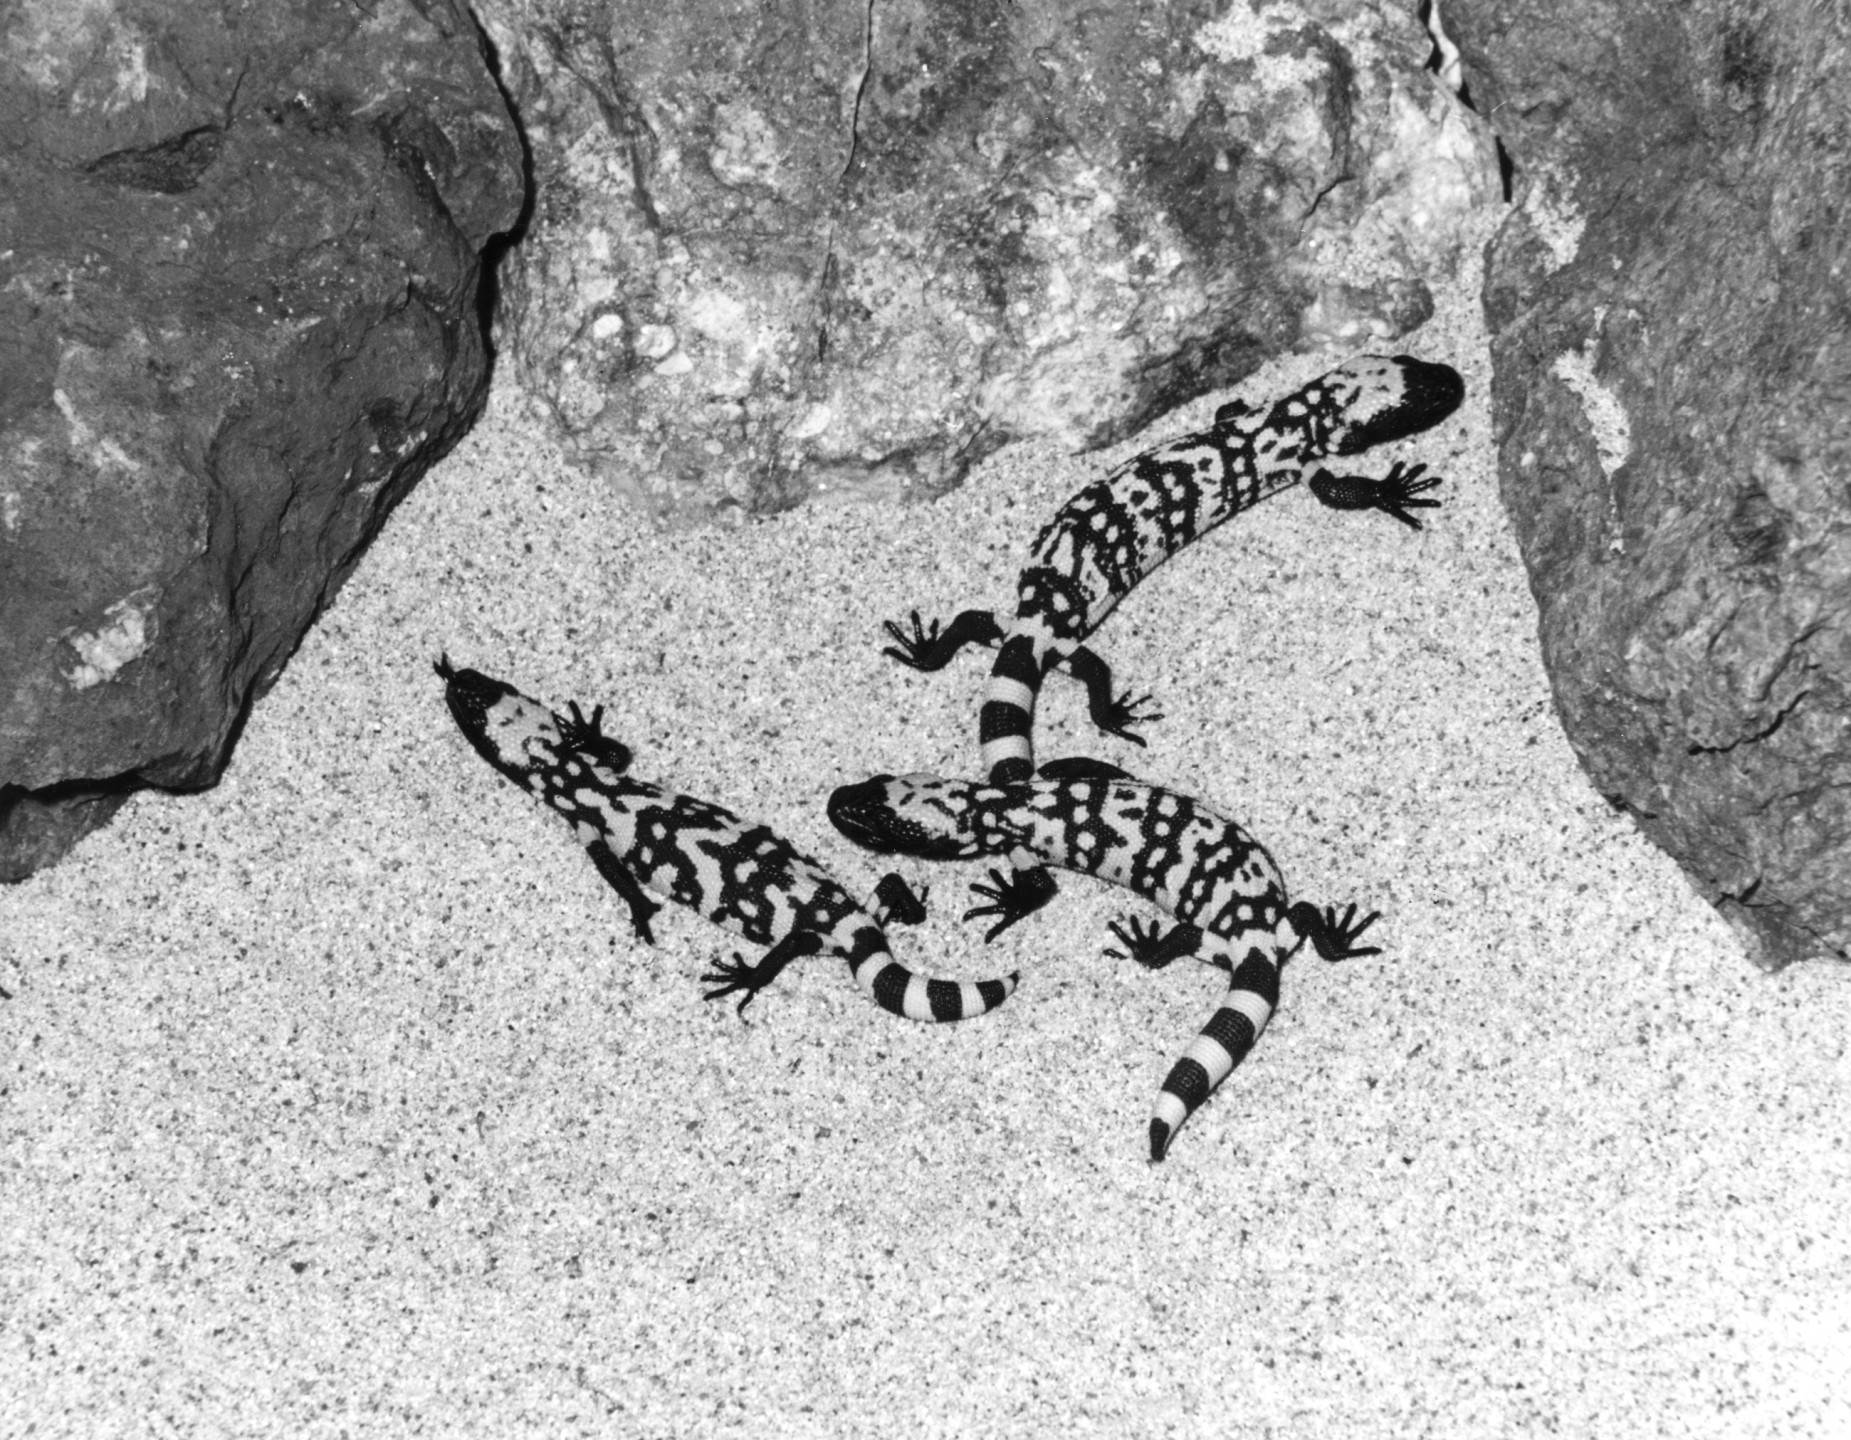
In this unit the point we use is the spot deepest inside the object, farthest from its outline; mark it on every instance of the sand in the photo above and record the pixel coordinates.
(342, 1101)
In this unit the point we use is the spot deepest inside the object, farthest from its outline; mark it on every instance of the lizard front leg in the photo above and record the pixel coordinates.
(1015, 894)
(1394, 494)
(577, 731)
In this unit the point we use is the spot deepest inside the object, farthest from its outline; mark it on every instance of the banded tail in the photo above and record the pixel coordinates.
(912, 996)
(902, 991)
(1253, 995)
(1006, 724)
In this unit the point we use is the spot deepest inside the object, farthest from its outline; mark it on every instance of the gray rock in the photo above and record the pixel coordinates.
(1671, 315)
(822, 247)
(238, 317)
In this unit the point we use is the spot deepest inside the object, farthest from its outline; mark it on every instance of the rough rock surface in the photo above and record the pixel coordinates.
(239, 252)
(1671, 313)
(787, 249)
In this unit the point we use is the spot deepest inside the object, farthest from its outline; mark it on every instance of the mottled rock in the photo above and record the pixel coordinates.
(1671, 314)
(818, 246)
(239, 256)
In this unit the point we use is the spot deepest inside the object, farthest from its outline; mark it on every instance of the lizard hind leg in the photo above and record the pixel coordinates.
(1111, 713)
(896, 904)
(737, 976)
(926, 648)
(1333, 937)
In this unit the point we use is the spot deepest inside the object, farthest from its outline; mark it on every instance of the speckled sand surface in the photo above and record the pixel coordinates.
(340, 1100)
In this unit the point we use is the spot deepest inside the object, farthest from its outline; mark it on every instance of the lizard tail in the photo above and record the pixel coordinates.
(1252, 995)
(1006, 725)
(913, 996)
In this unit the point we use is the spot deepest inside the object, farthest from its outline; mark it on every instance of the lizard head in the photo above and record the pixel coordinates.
(920, 815)
(1377, 398)
(518, 736)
